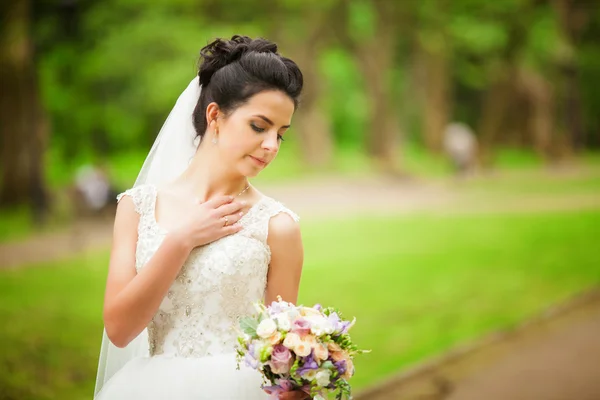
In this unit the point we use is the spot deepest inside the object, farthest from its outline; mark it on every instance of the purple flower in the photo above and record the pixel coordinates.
(309, 364)
(345, 326)
(334, 320)
(340, 366)
(283, 385)
(317, 307)
(250, 361)
(281, 359)
(301, 326)
(275, 308)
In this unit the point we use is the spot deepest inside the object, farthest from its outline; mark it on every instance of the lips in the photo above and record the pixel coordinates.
(260, 161)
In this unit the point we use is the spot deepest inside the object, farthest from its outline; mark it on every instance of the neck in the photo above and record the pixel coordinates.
(207, 177)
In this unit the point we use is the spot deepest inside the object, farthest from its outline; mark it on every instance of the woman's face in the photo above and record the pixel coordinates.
(249, 138)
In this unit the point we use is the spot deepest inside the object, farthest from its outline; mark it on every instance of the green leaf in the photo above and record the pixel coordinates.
(248, 326)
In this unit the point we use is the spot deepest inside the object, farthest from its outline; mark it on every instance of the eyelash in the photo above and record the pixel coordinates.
(261, 130)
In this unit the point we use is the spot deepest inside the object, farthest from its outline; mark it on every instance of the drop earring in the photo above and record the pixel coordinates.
(214, 139)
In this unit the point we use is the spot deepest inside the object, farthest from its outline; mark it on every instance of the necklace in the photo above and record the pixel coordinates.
(243, 191)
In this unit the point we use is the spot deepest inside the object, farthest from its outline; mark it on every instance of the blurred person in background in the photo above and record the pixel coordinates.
(94, 191)
(460, 145)
(195, 245)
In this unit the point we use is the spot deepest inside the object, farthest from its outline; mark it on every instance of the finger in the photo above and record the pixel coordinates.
(231, 208)
(229, 230)
(233, 218)
(219, 201)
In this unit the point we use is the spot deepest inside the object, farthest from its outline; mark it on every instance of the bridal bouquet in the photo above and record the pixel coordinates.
(299, 348)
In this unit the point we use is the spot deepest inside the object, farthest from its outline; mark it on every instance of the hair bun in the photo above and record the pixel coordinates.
(220, 53)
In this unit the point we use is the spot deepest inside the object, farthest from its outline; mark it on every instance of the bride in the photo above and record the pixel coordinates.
(194, 243)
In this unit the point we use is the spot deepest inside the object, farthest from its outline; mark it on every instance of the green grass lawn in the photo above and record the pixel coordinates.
(417, 284)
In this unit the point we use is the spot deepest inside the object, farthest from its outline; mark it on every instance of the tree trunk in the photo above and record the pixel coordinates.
(436, 110)
(540, 118)
(495, 110)
(434, 50)
(375, 57)
(303, 43)
(573, 17)
(312, 121)
(23, 127)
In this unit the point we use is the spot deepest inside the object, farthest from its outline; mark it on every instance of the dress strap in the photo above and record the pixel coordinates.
(265, 210)
(143, 198)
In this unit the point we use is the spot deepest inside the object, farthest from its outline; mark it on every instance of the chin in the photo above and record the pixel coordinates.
(250, 170)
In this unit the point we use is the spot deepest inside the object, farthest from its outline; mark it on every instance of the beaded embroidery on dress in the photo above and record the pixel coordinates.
(192, 336)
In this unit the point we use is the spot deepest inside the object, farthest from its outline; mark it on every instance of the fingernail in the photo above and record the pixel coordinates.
(241, 213)
(243, 202)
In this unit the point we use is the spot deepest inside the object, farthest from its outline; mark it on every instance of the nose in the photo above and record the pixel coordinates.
(271, 143)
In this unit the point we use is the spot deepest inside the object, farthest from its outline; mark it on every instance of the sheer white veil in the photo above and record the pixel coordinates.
(169, 156)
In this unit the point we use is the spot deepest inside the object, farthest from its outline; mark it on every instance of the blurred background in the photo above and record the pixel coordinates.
(445, 161)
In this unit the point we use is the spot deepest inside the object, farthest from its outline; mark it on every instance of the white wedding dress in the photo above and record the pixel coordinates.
(192, 337)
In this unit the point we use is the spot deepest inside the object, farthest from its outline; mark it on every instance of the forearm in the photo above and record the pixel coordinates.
(135, 305)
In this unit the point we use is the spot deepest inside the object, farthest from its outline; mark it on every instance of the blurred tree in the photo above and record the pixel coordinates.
(369, 30)
(521, 72)
(573, 16)
(433, 59)
(24, 130)
(305, 43)
(503, 50)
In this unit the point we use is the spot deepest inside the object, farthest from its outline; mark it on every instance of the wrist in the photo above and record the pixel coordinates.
(181, 240)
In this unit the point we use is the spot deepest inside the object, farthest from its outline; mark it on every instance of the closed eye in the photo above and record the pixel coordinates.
(257, 129)
(280, 138)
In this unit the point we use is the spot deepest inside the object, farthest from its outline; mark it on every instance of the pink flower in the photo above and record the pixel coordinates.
(281, 359)
(301, 326)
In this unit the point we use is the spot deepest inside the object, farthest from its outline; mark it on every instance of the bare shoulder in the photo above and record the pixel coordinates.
(284, 225)
(126, 205)
(127, 216)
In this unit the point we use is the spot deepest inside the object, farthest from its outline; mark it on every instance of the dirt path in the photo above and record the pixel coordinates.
(555, 357)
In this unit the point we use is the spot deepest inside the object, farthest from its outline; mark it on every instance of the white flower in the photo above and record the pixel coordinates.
(323, 377)
(318, 397)
(259, 345)
(310, 374)
(283, 321)
(328, 327)
(319, 325)
(266, 328)
(293, 313)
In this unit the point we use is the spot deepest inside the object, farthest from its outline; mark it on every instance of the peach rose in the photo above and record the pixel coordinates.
(306, 311)
(338, 355)
(310, 340)
(302, 349)
(291, 340)
(349, 369)
(321, 352)
(343, 356)
(275, 338)
(333, 346)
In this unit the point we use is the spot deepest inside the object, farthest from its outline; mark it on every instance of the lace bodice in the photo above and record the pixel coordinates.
(216, 285)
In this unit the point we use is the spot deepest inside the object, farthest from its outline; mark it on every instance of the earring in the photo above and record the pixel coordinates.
(214, 140)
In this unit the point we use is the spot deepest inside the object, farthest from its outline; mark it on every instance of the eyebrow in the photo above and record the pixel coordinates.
(268, 121)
